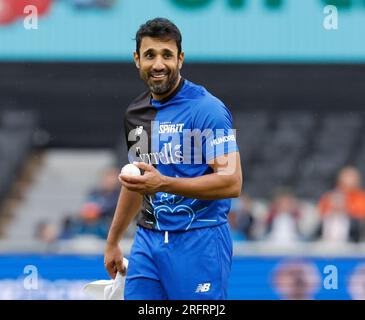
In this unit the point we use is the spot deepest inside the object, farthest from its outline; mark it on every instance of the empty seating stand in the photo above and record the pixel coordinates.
(17, 129)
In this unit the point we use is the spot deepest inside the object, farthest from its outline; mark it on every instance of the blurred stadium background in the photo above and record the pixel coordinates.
(297, 95)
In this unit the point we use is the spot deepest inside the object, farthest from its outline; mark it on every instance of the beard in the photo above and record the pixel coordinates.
(160, 87)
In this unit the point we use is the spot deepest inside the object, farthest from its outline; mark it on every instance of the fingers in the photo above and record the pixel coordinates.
(132, 179)
(144, 166)
(133, 187)
(111, 269)
(120, 267)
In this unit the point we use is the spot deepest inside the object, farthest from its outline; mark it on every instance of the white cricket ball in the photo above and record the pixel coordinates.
(130, 170)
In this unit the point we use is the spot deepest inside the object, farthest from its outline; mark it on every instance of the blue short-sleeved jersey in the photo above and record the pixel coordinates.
(180, 135)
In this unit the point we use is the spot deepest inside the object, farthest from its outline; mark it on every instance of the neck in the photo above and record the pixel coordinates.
(163, 96)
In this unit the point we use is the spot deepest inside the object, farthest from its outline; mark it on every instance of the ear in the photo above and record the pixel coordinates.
(181, 59)
(136, 59)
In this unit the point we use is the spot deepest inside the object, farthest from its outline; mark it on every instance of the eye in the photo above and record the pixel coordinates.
(167, 55)
(149, 55)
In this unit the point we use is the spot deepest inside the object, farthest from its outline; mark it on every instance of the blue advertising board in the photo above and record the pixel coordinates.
(255, 277)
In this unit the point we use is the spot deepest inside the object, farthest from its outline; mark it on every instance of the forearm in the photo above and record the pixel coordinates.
(129, 203)
(207, 187)
(224, 182)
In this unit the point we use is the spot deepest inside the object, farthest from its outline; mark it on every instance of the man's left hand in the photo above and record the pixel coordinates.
(148, 183)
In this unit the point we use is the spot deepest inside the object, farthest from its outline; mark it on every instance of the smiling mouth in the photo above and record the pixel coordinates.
(158, 76)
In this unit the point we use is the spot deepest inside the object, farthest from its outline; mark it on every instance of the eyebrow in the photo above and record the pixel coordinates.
(151, 50)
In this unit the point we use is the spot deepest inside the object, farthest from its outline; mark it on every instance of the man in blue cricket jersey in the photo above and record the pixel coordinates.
(181, 137)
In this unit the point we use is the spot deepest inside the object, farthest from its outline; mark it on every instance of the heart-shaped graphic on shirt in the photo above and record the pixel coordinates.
(178, 209)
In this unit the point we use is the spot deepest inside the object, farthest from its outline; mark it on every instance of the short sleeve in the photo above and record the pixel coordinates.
(214, 121)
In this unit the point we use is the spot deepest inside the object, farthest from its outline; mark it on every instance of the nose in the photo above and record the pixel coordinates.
(158, 64)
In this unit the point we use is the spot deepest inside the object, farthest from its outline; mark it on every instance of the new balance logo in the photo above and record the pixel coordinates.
(139, 130)
(203, 287)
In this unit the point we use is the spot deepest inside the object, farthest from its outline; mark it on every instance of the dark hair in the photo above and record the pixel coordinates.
(159, 28)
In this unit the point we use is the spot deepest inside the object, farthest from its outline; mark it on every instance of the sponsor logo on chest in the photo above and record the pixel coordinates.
(171, 128)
